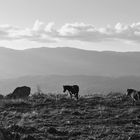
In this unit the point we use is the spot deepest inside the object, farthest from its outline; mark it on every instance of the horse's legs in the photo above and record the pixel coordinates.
(76, 96)
(70, 94)
(134, 102)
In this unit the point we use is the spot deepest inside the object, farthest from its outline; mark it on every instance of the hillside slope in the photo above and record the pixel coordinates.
(67, 61)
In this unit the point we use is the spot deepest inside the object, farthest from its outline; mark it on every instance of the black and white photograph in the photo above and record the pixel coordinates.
(69, 69)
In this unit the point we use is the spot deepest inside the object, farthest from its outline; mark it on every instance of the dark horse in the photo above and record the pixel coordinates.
(134, 94)
(72, 90)
(19, 92)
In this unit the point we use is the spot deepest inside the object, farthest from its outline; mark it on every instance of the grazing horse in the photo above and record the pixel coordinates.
(20, 92)
(134, 94)
(72, 90)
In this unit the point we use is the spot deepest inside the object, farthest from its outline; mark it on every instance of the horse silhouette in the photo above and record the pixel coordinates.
(73, 90)
(20, 92)
(134, 94)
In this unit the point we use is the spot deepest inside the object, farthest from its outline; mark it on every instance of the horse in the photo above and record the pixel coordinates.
(20, 92)
(134, 94)
(73, 90)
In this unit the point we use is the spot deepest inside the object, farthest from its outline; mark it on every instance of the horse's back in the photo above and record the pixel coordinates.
(76, 88)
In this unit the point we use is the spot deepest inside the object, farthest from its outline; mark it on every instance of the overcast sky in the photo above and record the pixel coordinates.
(87, 24)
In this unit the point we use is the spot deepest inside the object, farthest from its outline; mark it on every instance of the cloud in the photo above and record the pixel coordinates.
(38, 26)
(6, 32)
(86, 32)
(81, 32)
(41, 32)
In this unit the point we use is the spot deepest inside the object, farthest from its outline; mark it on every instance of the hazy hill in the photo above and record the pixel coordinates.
(93, 71)
(87, 84)
(67, 61)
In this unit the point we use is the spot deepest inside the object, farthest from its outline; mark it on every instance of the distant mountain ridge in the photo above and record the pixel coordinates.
(51, 68)
(67, 61)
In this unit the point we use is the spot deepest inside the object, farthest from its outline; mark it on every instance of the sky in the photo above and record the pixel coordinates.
(100, 25)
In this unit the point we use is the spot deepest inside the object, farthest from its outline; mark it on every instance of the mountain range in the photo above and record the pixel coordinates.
(50, 68)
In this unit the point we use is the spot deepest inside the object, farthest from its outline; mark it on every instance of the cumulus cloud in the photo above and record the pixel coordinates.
(84, 32)
(80, 31)
(41, 32)
(7, 32)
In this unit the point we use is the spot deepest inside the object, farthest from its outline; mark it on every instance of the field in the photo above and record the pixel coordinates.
(51, 117)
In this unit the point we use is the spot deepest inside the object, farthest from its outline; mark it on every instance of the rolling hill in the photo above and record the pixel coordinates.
(51, 68)
(67, 61)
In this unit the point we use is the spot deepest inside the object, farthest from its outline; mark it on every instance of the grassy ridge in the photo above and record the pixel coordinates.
(55, 117)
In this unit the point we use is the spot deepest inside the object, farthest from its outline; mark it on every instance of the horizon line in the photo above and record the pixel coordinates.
(91, 50)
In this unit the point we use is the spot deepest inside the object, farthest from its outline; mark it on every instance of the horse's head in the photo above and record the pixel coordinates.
(130, 91)
(64, 88)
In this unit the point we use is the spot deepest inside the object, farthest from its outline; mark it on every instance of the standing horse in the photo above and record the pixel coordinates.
(134, 94)
(72, 90)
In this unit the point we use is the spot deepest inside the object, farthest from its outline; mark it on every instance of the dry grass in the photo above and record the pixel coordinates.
(12, 102)
(97, 117)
